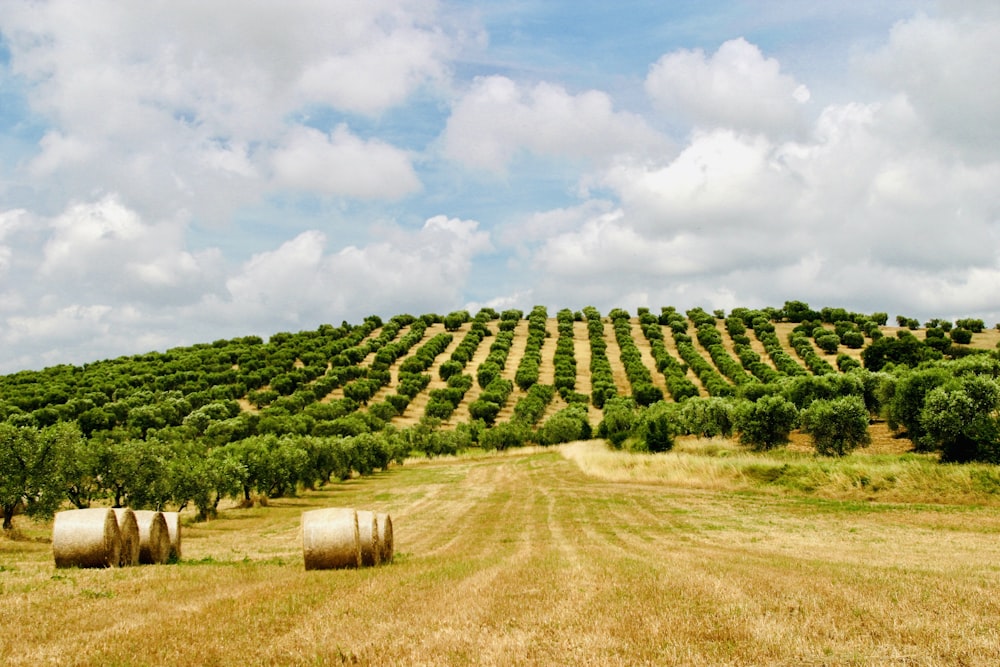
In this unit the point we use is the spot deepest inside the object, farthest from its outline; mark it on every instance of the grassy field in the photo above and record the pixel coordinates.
(523, 558)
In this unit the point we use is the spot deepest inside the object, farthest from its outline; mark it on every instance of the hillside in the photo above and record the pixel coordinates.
(389, 369)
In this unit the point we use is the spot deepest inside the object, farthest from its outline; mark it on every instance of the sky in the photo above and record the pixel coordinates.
(178, 172)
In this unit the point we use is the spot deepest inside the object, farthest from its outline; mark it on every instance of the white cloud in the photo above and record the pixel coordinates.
(343, 164)
(178, 104)
(498, 118)
(864, 209)
(99, 249)
(720, 179)
(737, 87)
(947, 68)
(415, 271)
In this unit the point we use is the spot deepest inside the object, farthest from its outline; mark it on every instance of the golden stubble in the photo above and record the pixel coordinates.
(523, 558)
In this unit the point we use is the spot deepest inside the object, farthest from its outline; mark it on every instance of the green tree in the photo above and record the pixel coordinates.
(659, 424)
(569, 424)
(837, 426)
(767, 422)
(620, 417)
(960, 419)
(30, 469)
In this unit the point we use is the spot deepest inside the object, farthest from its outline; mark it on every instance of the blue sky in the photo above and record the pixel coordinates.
(174, 173)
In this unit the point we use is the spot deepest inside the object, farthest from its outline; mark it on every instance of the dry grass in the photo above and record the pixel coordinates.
(523, 559)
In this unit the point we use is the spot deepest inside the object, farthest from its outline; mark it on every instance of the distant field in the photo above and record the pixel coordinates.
(522, 559)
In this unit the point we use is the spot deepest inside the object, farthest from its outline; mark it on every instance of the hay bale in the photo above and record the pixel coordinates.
(173, 520)
(86, 538)
(371, 553)
(384, 522)
(129, 529)
(331, 539)
(154, 538)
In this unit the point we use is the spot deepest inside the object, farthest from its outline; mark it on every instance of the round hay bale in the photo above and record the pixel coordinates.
(173, 520)
(330, 539)
(86, 538)
(154, 539)
(129, 529)
(371, 554)
(384, 522)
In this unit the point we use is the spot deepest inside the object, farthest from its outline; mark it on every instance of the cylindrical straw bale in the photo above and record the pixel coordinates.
(173, 520)
(154, 539)
(384, 522)
(371, 554)
(129, 529)
(86, 538)
(330, 538)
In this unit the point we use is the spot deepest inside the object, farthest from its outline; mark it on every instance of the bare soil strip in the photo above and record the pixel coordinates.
(671, 346)
(647, 358)
(514, 355)
(614, 353)
(415, 410)
(461, 413)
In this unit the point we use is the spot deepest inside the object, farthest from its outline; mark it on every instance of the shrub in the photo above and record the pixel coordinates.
(707, 417)
(659, 424)
(959, 418)
(961, 336)
(569, 424)
(837, 426)
(766, 423)
(504, 436)
(620, 415)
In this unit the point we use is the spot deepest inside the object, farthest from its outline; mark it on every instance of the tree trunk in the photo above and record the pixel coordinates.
(8, 516)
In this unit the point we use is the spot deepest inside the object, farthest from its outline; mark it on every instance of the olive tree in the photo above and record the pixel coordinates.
(30, 477)
(837, 426)
(766, 422)
(960, 419)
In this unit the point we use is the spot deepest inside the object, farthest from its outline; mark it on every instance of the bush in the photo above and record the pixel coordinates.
(504, 436)
(659, 424)
(620, 416)
(766, 423)
(569, 424)
(707, 417)
(961, 336)
(959, 418)
(837, 426)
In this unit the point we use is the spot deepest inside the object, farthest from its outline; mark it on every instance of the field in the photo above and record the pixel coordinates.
(522, 558)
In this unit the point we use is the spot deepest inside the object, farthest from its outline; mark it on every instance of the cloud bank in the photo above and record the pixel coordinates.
(182, 172)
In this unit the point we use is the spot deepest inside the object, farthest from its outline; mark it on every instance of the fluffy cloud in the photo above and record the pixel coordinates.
(103, 249)
(179, 104)
(946, 68)
(865, 206)
(498, 118)
(299, 281)
(340, 163)
(737, 87)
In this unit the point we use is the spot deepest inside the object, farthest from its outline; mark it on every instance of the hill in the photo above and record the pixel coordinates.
(250, 419)
(392, 370)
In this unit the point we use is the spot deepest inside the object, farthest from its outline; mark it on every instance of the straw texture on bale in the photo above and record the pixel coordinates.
(129, 529)
(154, 539)
(330, 539)
(384, 522)
(371, 553)
(173, 520)
(86, 538)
